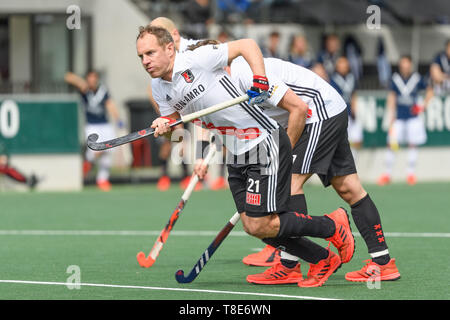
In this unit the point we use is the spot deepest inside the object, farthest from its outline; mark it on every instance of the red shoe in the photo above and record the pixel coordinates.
(163, 183)
(384, 179)
(219, 183)
(104, 185)
(373, 271)
(185, 182)
(411, 179)
(343, 238)
(278, 274)
(319, 273)
(86, 168)
(267, 257)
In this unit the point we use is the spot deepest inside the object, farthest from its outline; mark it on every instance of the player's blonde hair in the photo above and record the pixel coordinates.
(162, 35)
(163, 22)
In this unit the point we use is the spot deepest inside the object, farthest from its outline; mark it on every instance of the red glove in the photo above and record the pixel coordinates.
(416, 109)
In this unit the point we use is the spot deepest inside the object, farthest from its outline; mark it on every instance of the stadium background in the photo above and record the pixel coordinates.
(41, 117)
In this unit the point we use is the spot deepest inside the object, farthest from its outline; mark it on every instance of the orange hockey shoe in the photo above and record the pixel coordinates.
(278, 274)
(319, 273)
(383, 180)
(163, 183)
(267, 257)
(219, 183)
(375, 272)
(343, 238)
(411, 179)
(104, 185)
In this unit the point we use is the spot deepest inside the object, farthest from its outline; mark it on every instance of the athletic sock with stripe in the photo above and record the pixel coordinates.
(296, 248)
(297, 203)
(293, 224)
(367, 219)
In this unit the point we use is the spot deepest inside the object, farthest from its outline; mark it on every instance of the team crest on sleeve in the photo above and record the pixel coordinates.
(188, 76)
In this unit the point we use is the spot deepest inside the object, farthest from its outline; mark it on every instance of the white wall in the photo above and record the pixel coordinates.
(56, 172)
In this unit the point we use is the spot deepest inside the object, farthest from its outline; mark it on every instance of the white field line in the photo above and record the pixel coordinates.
(187, 233)
(164, 289)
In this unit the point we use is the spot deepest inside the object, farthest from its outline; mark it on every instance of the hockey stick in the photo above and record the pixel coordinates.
(179, 275)
(108, 144)
(147, 262)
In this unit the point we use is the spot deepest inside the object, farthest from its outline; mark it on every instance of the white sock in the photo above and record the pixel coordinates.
(412, 160)
(389, 161)
(104, 166)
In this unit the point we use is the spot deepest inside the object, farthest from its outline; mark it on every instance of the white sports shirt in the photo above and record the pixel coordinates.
(200, 81)
(322, 99)
(184, 43)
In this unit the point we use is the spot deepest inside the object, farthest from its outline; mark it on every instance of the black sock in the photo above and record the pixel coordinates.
(303, 248)
(293, 224)
(185, 168)
(164, 167)
(297, 203)
(367, 220)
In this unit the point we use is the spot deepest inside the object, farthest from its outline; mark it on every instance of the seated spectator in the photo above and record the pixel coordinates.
(231, 10)
(440, 71)
(328, 56)
(318, 69)
(299, 53)
(272, 49)
(197, 15)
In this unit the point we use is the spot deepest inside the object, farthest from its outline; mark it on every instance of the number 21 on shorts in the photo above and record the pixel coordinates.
(253, 196)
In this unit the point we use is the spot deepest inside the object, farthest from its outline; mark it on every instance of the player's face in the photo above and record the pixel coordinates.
(405, 66)
(155, 59)
(92, 80)
(332, 44)
(300, 45)
(342, 66)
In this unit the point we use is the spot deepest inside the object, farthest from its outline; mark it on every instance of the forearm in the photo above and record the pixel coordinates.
(112, 110)
(296, 125)
(428, 96)
(391, 108)
(297, 109)
(250, 51)
(76, 81)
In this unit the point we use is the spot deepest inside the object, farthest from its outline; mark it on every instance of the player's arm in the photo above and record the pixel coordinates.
(250, 51)
(112, 110)
(429, 94)
(391, 103)
(297, 109)
(202, 143)
(76, 81)
(436, 73)
(152, 100)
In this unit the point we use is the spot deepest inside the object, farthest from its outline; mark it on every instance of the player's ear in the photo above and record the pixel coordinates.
(170, 47)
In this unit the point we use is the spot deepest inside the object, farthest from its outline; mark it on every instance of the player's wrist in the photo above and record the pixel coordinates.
(260, 82)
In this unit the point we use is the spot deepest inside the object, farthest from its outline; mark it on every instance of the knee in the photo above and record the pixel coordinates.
(350, 192)
(261, 228)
